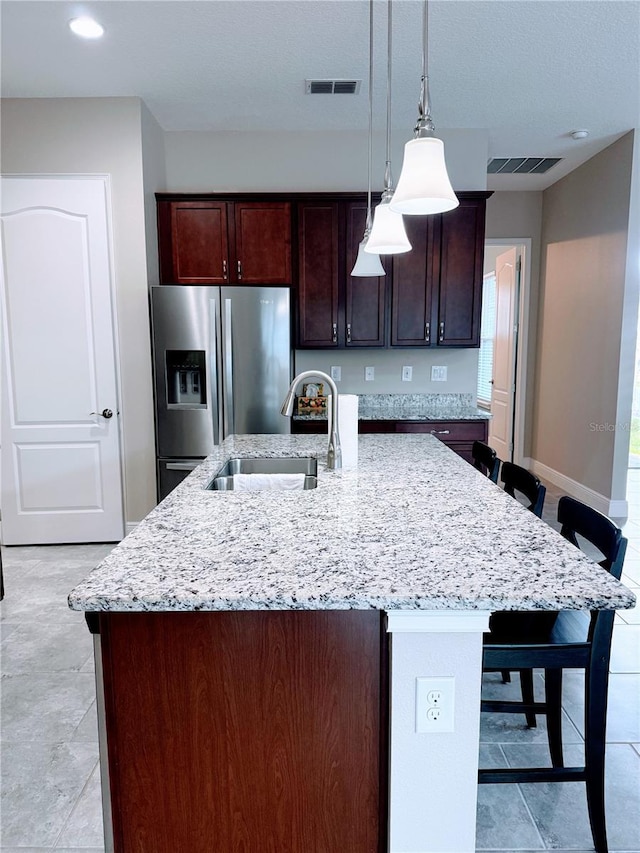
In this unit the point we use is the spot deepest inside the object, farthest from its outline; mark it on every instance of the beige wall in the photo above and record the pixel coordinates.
(582, 291)
(103, 136)
(514, 216)
(154, 180)
(317, 162)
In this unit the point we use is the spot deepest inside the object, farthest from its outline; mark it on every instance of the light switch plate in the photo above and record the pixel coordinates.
(369, 374)
(336, 372)
(438, 374)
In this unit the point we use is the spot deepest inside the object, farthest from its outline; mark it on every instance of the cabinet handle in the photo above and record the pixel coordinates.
(225, 274)
(427, 332)
(441, 331)
(239, 270)
(348, 333)
(335, 333)
(440, 432)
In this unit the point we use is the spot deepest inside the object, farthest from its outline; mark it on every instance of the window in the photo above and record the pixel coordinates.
(487, 335)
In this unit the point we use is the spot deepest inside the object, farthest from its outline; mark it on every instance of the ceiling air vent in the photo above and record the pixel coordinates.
(521, 165)
(332, 87)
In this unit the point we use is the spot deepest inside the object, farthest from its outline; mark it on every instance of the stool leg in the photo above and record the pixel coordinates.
(553, 698)
(526, 686)
(595, 725)
(506, 676)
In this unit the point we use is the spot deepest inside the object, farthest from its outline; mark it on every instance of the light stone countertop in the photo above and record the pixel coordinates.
(411, 407)
(414, 527)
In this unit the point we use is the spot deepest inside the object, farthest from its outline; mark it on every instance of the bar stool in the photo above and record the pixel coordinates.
(485, 460)
(576, 640)
(518, 479)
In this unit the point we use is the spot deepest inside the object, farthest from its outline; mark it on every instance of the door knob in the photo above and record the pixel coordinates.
(106, 413)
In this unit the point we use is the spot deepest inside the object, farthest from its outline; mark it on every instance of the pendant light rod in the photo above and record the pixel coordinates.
(368, 224)
(388, 178)
(424, 125)
(368, 264)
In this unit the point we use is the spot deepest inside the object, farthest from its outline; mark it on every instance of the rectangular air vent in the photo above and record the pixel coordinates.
(521, 165)
(332, 87)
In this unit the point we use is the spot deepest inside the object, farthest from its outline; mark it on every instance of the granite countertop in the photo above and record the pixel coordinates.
(413, 527)
(411, 407)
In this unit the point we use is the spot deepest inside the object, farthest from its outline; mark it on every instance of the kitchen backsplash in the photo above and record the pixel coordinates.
(461, 364)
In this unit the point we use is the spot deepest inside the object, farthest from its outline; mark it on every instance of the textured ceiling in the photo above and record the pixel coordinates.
(527, 71)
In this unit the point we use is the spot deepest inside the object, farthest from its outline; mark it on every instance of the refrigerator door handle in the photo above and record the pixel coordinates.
(227, 360)
(213, 369)
(183, 466)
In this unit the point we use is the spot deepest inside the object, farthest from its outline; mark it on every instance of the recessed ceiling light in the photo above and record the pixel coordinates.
(86, 28)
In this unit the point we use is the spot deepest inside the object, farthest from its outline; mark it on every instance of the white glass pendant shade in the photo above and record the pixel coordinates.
(388, 236)
(367, 265)
(424, 185)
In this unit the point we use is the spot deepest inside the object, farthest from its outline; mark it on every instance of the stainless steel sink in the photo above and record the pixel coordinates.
(223, 480)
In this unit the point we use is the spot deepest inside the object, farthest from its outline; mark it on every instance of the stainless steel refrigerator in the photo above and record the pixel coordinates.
(222, 365)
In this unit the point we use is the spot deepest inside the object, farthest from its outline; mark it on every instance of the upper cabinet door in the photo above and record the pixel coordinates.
(317, 274)
(412, 324)
(196, 251)
(263, 243)
(460, 289)
(365, 297)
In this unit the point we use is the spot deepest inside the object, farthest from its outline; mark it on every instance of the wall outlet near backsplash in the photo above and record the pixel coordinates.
(407, 373)
(369, 374)
(438, 374)
(336, 372)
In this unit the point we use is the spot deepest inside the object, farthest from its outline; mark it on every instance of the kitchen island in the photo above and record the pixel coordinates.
(245, 650)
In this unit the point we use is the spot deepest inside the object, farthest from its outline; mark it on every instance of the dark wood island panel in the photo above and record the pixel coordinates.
(247, 732)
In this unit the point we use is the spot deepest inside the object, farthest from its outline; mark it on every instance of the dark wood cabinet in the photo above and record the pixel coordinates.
(318, 224)
(458, 435)
(365, 298)
(437, 287)
(336, 309)
(247, 731)
(208, 241)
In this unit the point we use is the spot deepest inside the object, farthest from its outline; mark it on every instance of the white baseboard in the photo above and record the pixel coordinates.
(612, 508)
(130, 526)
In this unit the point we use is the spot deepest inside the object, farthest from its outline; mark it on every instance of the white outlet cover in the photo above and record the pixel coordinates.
(336, 373)
(407, 373)
(438, 717)
(438, 374)
(369, 374)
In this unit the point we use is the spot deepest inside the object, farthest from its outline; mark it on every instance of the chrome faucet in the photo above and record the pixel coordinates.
(334, 452)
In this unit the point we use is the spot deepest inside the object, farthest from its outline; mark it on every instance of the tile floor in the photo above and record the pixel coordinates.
(50, 774)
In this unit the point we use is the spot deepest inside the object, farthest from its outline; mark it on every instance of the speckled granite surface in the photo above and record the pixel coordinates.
(414, 527)
(412, 407)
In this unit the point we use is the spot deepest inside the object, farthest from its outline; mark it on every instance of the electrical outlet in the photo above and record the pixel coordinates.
(369, 374)
(438, 374)
(336, 372)
(407, 373)
(435, 701)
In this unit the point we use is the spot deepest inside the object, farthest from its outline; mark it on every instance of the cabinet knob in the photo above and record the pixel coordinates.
(225, 273)
(335, 332)
(348, 333)
(442, 331)
(427, 332)
(239, 270)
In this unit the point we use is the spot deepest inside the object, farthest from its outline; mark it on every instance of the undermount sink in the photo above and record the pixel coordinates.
(307, 465)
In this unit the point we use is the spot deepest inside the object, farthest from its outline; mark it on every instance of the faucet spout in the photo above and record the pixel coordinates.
(334, 451)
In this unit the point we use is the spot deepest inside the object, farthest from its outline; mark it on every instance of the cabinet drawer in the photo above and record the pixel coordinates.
(447, 431)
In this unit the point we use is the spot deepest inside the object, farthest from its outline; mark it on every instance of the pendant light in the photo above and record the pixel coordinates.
(368, 265)
(424, 185)
(388, 236)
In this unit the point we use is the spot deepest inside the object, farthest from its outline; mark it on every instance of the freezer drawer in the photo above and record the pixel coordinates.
(171, 472)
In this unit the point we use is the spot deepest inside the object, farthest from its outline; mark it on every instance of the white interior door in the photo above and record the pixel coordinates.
(504, 355)
(61, 467)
